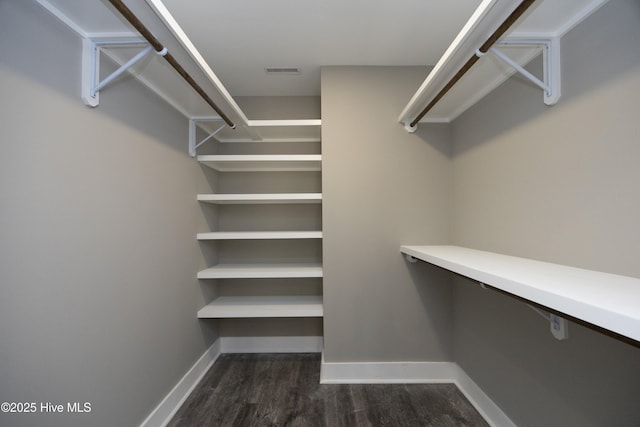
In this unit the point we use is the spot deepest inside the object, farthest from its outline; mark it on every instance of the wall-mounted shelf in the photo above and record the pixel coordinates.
(259, 235)
(263, 162)
(298, 267)
(263, 306)
(270, 198)
(261, 271)
(608, 301)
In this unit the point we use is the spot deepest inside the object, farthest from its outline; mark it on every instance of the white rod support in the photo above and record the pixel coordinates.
(411, 259)
(558, 326)
(550, 63)
(193, 130)
(90, 92)
(409, 128)
(542, 314)
(124, 67)
(521, 70)
(211, 135)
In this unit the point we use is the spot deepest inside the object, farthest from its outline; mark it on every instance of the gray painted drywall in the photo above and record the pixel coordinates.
(98, 257)
(559, 184)
(382, 187)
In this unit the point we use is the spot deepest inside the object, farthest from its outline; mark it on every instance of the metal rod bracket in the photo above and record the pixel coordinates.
(558, 326)
(193, 130)
(551, 80)
(91, 49)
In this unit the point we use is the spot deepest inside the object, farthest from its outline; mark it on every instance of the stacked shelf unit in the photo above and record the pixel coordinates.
(242, 306)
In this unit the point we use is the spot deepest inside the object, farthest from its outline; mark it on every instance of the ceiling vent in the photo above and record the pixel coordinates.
(282, 71)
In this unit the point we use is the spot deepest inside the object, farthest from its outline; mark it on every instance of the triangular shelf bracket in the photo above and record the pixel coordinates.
(91, 49)
(551, 77)
(193, 130)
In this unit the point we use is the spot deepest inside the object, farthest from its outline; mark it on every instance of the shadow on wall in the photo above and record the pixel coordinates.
(434, 287)
(438, 135)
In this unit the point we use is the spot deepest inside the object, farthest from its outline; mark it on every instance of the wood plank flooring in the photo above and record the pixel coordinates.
(284, 390)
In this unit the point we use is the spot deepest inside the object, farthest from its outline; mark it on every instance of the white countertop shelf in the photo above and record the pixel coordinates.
(609, 301)
(263, 162)
(263, 306)
(261, 271)
(259, 235)
(271, 198)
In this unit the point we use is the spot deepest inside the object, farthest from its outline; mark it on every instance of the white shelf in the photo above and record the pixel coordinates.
(261, 271)
(263, 162)
(606, 300)
(265, 306)
(270, 131)
(259, 235)
(271, 198)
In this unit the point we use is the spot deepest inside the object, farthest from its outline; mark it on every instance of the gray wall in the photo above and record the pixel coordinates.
(382, 188)
(98, 257)
(558, 184)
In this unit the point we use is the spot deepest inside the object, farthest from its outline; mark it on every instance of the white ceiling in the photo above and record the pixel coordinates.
(239, 39)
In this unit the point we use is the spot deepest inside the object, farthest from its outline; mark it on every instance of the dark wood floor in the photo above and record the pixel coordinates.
(284, 390)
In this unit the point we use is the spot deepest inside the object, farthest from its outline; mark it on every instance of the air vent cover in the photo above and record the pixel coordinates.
(282, 70)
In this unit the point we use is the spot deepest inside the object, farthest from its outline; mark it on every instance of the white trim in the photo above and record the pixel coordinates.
(415, 373)
(302, 122)
(330, 373)
(387, 372)
(163, 413)
(172, 402)
(266, 140)
(480, 400)
(301, 344)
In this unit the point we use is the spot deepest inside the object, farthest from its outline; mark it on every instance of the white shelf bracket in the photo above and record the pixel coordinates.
(193, 130)
(551, 80)
(559, 326)
(91, 48)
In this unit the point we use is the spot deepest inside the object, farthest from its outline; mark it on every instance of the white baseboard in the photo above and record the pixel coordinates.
(415, 373)
(387, 372)
(163, 413)
(479, 399)
(330, 373)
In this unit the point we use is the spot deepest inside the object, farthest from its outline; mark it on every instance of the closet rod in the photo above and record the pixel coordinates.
(511, 19)
(161, 50)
